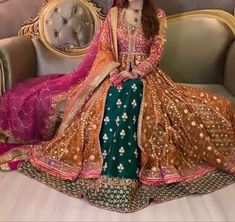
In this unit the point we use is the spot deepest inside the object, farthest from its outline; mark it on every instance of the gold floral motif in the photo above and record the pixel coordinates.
(30, 27)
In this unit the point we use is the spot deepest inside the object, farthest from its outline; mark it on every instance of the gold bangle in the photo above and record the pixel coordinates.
(137, 73)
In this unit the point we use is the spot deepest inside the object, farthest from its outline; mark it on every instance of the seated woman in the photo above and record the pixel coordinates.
(129, 134)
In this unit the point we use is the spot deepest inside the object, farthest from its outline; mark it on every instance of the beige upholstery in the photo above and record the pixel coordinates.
(18, 60)
(14, 13)
(229, 75)
(51, 62)
(196, 49)
(2, 78)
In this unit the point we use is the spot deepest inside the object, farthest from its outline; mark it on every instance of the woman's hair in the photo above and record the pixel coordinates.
(149, 20)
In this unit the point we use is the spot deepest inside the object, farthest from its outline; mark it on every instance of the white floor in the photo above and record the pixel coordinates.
(22, 198)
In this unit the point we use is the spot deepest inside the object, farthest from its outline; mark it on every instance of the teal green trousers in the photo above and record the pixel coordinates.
(118, 135)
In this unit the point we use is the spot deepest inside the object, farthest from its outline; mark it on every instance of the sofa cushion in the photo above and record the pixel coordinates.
(49, 62)
(216, 88)
(18, 60)
(229, 75)
(196, 48)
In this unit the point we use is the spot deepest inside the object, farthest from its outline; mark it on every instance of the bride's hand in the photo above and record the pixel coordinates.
(112, 72)
(118, 78)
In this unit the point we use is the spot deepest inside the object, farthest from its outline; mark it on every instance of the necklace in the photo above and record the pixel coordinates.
(137, 14)
(130, 27)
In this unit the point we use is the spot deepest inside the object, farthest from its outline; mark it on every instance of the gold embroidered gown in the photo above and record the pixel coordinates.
(185, 137)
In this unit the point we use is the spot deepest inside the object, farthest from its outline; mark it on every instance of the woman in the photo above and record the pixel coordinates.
(129, 134)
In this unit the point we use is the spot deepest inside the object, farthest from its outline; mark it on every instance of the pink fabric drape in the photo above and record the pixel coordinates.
(28, 110)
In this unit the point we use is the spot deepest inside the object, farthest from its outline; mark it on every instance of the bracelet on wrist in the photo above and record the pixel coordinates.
(113, 71)
(137, 73)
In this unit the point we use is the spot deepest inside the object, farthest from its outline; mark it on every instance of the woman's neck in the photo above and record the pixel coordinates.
(137, 4)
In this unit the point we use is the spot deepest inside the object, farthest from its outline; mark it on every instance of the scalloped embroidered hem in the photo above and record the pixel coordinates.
(128, 195)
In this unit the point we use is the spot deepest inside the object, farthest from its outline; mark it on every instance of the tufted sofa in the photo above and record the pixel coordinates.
(200, 48)
(53, 42)
(200, 51)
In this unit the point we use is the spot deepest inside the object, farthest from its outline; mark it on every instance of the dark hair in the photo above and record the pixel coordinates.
(149, 20)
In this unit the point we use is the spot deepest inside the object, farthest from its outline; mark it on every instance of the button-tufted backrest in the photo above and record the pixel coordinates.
(62, 33)
(68, 26)
(197, 45)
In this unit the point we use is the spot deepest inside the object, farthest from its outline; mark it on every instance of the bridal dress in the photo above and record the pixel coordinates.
(148, 140)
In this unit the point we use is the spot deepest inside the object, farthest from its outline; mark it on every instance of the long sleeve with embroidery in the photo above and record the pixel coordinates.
(156, 48)
(105, 44)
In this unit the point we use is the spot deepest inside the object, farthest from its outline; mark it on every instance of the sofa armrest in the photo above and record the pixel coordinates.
(2, 79)
(18, 60)
(229, 74)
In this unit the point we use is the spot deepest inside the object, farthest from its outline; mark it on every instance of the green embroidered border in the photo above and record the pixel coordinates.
(126, 195)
